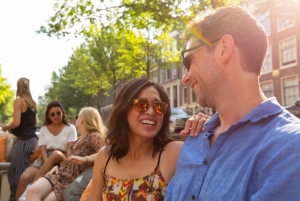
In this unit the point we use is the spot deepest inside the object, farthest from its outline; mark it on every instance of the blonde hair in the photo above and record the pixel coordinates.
(92, 120)
(23, 92)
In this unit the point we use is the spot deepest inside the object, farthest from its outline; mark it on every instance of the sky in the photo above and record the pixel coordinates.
(23, 53)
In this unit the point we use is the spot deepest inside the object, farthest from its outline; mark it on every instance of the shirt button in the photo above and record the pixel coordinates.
(193, 197)
(205, 162)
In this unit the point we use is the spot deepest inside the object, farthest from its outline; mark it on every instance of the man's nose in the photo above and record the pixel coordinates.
(186, 77)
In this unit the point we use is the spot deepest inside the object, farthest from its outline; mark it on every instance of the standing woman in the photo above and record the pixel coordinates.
(23, 127)
(55, 137)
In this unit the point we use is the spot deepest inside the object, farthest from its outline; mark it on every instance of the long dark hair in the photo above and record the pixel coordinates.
(118, 127)
(50, 105)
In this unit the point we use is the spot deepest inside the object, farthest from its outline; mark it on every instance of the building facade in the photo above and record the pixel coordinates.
(281, 71)
(280, 74)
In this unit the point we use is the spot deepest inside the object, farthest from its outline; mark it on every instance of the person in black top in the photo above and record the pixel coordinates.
(23, 127)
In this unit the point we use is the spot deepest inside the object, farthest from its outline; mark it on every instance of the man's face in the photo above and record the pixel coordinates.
(201, 76)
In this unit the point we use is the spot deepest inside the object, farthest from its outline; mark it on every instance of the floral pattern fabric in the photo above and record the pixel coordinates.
(68, 171)
(148, 188)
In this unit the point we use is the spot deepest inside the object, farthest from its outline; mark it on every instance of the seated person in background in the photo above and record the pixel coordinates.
(51, 186)
(140, 157)
(55, 135)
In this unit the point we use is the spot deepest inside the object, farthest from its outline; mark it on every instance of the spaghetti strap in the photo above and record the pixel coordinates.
(159, 157)
(106, 163)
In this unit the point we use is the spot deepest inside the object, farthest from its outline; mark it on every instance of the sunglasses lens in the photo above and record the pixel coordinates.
(58, 113)
(76, 116)
(160, 107)
(186, 64)
(140, 105)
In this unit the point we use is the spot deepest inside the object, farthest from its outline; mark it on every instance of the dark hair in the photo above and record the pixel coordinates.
(248, 34)
(117, 123)
(50, 105)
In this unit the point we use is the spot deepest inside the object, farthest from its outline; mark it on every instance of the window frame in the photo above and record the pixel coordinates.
(282, 87)
(281, 65)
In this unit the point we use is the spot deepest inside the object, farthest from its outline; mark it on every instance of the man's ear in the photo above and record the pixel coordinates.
(226, 48)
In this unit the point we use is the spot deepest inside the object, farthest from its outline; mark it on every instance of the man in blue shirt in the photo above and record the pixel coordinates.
(250, 149)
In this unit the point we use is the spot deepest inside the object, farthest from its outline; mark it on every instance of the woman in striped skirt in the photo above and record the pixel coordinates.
(23, 127)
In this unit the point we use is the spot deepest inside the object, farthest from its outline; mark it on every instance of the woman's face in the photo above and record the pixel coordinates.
(79, 121)
(55, 114)
(145, 124)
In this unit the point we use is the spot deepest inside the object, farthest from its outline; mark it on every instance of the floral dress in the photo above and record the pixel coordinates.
(148, 188)
(68, 171)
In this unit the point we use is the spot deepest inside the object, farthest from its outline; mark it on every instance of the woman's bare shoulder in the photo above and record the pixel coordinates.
(173, 147)
(103, 153)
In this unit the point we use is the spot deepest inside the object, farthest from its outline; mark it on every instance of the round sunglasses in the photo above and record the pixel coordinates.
(142, 105)
(58, 113)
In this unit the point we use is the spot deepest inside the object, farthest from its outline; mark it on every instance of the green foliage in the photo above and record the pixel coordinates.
(41, 109)
(6, 99)
(124, 39)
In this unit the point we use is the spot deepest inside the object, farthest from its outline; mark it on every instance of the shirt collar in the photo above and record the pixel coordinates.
(265, 109)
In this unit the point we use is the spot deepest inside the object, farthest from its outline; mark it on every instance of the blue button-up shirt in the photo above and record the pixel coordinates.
(258, 158)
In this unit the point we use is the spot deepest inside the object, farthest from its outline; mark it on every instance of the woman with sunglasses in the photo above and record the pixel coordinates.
(23, 127)
(56, 136)
(80, 157)
(140, 157)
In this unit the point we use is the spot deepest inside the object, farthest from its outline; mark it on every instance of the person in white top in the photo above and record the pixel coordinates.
(55, 137)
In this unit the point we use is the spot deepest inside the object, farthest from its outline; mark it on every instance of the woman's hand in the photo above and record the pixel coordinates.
(5, 128)
(54, 170)
(76, 159)
(194, 125)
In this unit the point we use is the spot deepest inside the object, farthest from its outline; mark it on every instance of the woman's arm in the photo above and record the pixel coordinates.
(16, 116)
(80, 160)
(169, 159)
(44, 154)
(36, 120)
(98, 179)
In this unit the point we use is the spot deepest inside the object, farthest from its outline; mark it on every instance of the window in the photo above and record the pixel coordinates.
(268, 89)
(175, 102)
(194, 98)
(169, 74)
(185, 95)
(290, 90)
(162, 76)
(285, 20)
(267, 67)
(168, 92)
(174, 71)
(154, 76)
(288, 52)
(264, 19)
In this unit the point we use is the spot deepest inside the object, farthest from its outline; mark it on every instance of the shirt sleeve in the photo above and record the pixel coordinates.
(41, 140)
(280, 177)
(72, 135)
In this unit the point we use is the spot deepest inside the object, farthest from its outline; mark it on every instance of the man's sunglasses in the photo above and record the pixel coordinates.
(142, 105)
(187, 63)
(58, 113)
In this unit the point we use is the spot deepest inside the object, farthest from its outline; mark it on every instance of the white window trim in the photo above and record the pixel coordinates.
(183, 103)
(281, 86)
(191, 96)
(287, 27)
(265, 82)
(280, 57)
(270, 71)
